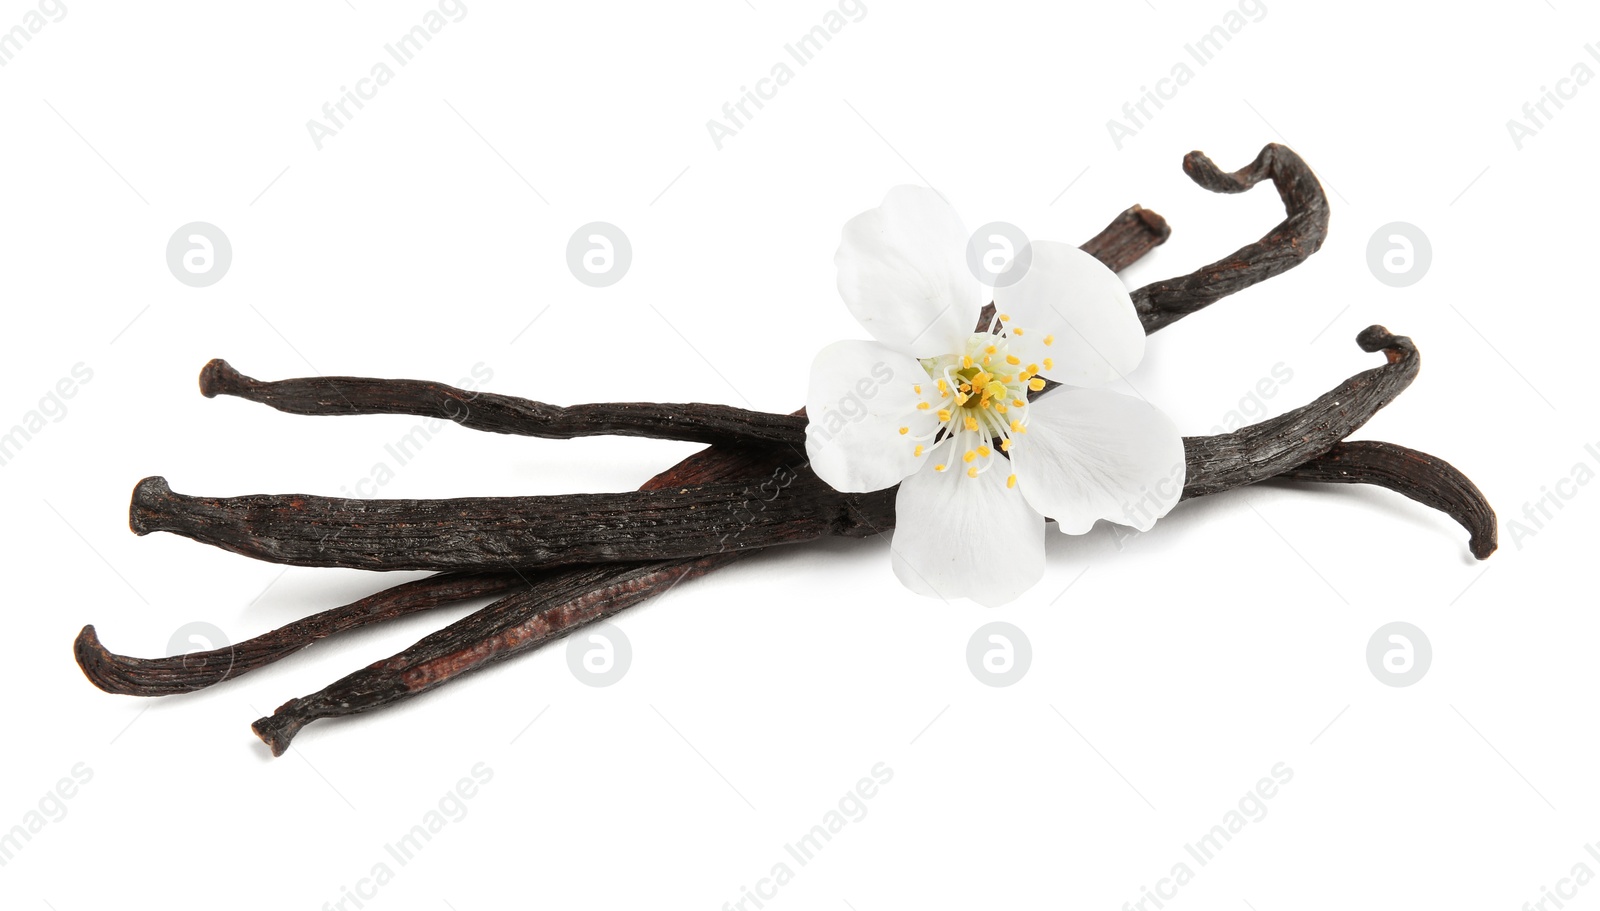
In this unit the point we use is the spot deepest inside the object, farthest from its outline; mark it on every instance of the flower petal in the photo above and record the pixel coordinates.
(1095, 454)
(861, 394)
(903, 273)
(1072, 299)
(957, 536)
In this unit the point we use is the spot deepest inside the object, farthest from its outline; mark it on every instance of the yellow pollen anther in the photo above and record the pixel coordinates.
(943, 388)
(905, 430)
(917, 389)
(1018, 402)
(966, 362)
(938, 468)
(923, 406)
(961, 398)
(1016, 426)
(1016, 331)
(944, 414)
(970, 455)
(1049, 340)
(972, 472)
(985, 451)
(1011, 482)
(1005, 317)
(972, 423)
(1036, 384)
(990, 350)
(918, 450)
(1000, 408)
(1033, 368)
(1049, 363)
(1013, 360)
(1005, 445)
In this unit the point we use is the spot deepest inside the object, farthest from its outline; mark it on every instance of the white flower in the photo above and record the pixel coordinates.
(943, 411)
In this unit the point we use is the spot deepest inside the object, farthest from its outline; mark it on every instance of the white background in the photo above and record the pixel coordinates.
(425, 237)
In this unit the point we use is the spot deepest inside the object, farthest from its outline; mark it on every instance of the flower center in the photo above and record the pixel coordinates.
(980, 395)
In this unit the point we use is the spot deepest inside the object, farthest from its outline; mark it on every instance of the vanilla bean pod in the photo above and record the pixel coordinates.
(1427, 479)
(345, 395)
(131, 676)
(514, 624)
(492, 532)
(1299, 235)
(1129, 236)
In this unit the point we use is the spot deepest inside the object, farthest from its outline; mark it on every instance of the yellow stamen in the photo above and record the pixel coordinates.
(1013, 360)
(1004, 317)
(1049, 363)
(966, 361)
(1033, 368)
(1005, 445)
(985, 451)
(905, 430)
(918, 450)
(972, 423)
(972, 472)
(1049, 340)
(970, 455)
(1016, 331)
(1016, 426)
(944, 414)
(1011, 482)
(938, 468)
(990, 350)
(1036, 384)
(923, 406)
(1018, 402)
(917, 389)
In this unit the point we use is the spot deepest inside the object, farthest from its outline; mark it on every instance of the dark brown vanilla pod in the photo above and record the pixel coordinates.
(1299, 235)
(344, 395)
(1265, 450)
(480, 533)
(1427, 479)
(557, 605)
(131, 676)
